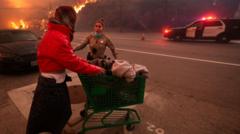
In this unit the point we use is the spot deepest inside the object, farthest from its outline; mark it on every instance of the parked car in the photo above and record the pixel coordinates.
(209, 28)
(18, 49)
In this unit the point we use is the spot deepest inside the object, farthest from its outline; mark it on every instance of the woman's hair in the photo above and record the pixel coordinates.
(101, 21)
(66, 15)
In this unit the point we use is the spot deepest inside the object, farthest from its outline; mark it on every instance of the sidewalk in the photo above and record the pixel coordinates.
(22, 98)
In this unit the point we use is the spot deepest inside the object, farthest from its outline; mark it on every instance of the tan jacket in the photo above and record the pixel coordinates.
(97, 46)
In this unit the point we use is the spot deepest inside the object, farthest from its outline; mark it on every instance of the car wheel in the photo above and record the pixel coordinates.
(223, 38)
(177, 38)
(170, 38)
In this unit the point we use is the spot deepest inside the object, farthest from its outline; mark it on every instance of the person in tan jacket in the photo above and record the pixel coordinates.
(98, 42)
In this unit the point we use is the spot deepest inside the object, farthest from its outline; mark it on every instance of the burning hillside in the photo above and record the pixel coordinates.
(79, 6)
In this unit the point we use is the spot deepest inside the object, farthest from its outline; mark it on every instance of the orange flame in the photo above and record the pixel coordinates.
(20, 25)
(79, 6)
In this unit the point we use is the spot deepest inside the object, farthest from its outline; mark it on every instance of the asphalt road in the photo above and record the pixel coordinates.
(193, 86)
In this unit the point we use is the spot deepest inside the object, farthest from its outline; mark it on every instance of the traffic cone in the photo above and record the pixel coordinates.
(143, 37)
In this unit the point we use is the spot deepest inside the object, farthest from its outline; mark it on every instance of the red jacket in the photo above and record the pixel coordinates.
(55, 53)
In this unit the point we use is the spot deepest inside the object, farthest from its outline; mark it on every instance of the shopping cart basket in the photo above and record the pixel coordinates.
(108, 94)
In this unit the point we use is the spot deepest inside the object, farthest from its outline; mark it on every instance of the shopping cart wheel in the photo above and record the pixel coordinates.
(130, 127)
(83, 113)
(82, 132)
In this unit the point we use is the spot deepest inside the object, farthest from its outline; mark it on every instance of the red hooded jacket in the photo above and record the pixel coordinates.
(55, 53)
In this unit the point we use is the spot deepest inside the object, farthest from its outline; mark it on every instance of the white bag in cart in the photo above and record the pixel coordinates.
(123, 69)
(142, 70)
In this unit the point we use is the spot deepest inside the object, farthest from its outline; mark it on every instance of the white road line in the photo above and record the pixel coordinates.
(180, 57)
(174, 56)
(133, 39)
(122, 38)
(139, 38)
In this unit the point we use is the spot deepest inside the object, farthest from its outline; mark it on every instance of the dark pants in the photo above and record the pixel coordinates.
(50, 108)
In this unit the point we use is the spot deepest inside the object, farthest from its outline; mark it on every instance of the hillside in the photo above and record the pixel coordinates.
(151, 15)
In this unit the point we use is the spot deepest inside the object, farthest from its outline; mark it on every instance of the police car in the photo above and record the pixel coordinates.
(210, 28)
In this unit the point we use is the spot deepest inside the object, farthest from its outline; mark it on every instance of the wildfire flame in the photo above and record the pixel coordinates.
(79, 6)
(20, 25)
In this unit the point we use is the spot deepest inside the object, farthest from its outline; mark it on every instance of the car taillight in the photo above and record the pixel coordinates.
(166, 31)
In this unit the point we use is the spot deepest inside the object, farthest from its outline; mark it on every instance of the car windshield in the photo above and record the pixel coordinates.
(194, 24)
(12, 36)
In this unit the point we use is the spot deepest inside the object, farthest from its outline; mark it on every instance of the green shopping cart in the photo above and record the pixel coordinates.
(107, 95)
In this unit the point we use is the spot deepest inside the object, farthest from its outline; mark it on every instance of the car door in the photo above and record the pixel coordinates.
(4, 37)
(192, 31)
(199, 31)
(213, 28)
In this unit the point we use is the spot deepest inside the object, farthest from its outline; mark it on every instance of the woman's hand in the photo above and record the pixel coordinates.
(75, 49)
(100, 71)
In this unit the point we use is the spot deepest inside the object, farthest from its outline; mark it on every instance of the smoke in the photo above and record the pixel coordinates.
(237, 13)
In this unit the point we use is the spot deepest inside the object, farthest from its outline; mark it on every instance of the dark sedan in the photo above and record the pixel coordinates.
(17, 49)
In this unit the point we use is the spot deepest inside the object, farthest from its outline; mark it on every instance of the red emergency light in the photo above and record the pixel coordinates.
(166, 31)
(209, 18)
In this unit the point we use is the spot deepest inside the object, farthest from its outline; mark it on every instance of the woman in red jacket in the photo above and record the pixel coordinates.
(51, 106)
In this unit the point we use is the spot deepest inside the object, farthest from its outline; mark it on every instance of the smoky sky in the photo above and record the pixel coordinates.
(33, 3)
(13, 10)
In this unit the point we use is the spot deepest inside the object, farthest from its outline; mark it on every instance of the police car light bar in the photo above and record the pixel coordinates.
(209, 18)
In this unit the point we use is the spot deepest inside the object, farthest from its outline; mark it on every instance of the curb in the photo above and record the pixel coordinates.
(22, 98)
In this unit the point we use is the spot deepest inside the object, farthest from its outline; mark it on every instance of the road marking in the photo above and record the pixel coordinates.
(180, 57)
(159, 131)
(121, 38)
(154, 129)
(124, 38)
(135, 39)
(150, 127)
(174, 56)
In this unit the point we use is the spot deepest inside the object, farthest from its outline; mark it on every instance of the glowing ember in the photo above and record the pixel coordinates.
(20, 25)
(78, 7)
(51, 14)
